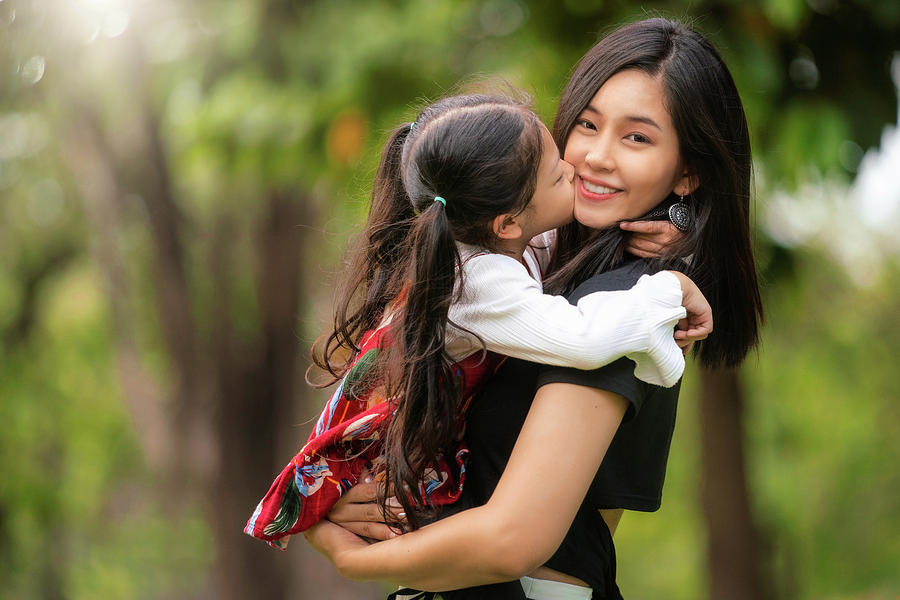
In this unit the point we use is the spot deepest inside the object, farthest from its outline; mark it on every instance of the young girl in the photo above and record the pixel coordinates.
(444, 274)
(650, 118)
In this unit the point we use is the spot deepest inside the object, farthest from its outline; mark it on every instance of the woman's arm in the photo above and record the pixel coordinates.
(559, 449)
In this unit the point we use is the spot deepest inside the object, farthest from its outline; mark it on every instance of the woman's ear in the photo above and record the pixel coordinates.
(687, 183)
(507, 227)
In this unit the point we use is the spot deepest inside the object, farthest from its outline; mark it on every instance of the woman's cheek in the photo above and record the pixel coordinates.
(574, 151)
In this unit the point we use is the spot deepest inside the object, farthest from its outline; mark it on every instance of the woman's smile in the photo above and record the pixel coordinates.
(596, 190)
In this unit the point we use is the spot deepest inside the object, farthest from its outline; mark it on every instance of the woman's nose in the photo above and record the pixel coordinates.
(599, 156)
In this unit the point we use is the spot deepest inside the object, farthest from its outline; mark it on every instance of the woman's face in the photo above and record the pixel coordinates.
(625, 151)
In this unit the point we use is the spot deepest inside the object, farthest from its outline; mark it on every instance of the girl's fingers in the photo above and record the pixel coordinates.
(684, 343)
(643, 248)
(661, 232)
(644, 244)
(693, 333)
(651, 227)
(640, 253)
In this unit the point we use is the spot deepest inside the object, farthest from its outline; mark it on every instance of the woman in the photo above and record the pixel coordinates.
(650, 118)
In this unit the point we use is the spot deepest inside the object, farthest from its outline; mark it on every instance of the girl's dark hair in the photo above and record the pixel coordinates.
(708, 116)
(480, 153)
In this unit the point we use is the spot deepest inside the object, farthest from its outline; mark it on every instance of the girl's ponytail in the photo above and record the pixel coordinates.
(425, 422)
(378, 255)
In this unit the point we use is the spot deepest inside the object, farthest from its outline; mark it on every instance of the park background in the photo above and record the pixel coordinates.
(178, 181)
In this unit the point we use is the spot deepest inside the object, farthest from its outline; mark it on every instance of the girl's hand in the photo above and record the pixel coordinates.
(698, 323)
(358, 512)
(649, 239)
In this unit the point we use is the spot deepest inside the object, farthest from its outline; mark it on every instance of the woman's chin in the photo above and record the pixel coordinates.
(595, 219)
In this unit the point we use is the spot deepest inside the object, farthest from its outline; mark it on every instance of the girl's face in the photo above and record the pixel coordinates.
(552, 203)
(625, 151)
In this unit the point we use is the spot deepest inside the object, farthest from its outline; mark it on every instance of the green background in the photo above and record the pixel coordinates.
(208, 155)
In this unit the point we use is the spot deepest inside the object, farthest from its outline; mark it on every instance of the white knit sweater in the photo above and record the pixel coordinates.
(505, 306)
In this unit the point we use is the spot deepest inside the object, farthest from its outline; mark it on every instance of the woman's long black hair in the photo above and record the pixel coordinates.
(480, 154)
(708, 116)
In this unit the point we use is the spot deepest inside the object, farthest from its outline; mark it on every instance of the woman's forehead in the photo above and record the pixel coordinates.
(631, 93)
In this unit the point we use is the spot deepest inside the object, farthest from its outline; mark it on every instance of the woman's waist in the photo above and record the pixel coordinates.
(545, 572)
(611, 517)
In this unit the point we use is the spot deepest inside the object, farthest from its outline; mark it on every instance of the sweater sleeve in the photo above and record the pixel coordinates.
(508, 310)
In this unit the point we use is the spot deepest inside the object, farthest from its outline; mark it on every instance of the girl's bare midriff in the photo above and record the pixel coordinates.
(611, 518)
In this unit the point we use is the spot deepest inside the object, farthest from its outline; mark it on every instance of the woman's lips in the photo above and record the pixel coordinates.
(596, 190)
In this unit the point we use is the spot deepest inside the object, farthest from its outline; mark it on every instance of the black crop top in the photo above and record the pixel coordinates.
(630, 477)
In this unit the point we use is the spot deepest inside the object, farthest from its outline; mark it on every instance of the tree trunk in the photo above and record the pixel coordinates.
(733, 549)
(255, 387)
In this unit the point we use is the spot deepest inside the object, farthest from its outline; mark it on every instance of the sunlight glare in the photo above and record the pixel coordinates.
(115, 23)
(33, 69)
(109, 17)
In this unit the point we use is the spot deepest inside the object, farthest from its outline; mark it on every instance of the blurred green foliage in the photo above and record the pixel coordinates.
(252, 96)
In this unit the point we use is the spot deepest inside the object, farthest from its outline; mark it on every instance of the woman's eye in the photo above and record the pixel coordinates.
(585, 123)
(637, 137)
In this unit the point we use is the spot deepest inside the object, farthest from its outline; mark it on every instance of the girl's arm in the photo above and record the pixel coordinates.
(559, 449)
(507, 309)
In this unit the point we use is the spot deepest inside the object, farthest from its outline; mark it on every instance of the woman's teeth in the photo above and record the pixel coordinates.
(598, 189)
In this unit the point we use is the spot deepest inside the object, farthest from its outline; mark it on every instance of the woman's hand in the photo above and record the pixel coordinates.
(335, 543)
(358, 512)
(698, 323)
(649, 239)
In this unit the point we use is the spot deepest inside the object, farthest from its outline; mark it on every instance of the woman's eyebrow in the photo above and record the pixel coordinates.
(632, 118)
(642, 119)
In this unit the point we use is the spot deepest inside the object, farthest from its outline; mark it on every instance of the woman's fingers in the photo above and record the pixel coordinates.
(365, 490)
(358, 512)
(359, 507)
(373, 531)
(346, 512)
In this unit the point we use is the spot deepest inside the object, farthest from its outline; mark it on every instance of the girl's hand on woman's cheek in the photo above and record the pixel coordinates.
(649, 239)
(358, 512)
